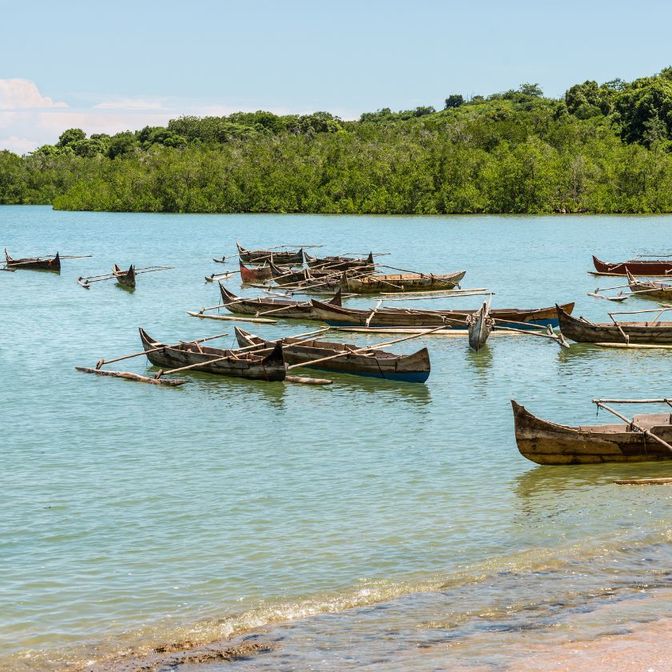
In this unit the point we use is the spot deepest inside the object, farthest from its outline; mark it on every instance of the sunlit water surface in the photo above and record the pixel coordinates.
(362, 523)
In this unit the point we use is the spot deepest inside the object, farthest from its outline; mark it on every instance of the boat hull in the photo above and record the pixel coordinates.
(52, 264)
(269, 366)
(399, 317)
(633, 266)
(637, 333)
(397, 283)
(264, 256)
(549, 443)
(413, 368)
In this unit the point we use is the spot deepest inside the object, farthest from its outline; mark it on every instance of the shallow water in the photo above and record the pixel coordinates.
(135, 516)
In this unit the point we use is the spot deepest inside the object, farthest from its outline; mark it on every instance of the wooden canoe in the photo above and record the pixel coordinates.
(35, 263)
(635, 266)
(655, 290)
(263, 365)
(125, 279)
(546, 442)
(337, 263)
(400, 282)
(339, 316)
(262, 256)
(584, 331)
(480, 326)
(257, 274)
(297, 310)
(373, 363)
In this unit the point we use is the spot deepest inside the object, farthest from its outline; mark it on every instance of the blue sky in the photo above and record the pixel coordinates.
(107, 66)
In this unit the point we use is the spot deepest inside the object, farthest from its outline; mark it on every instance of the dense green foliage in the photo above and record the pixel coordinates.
(603, 148)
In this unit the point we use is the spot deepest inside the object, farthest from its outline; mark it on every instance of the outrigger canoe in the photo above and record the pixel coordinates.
(35, 263)
(261, 365)
(263, 256)
(339, 316)
(654, 290)
(257, 274)
(337, 263)
(284, 308)
(400, 282)
(125, 279)
(635, 266)
(638, 333)
(373, 363)
(546, 442)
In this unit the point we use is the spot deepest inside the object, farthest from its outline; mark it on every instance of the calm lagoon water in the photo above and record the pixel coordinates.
(367, 523)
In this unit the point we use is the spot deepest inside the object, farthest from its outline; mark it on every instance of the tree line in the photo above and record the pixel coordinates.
(604, 148)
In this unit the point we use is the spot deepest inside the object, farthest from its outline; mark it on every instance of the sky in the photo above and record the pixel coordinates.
(110, 66)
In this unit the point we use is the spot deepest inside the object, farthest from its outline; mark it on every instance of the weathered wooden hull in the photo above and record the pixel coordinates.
(125, 279)
(653, 290)
(264, 256)
(297, 310)
(634, 266)
(480, 327)
(413, 368)
(404, 282)
(340, 263)
(644, 333)
(258, 274)
(267, 365)
(403, 317)
(545, 442)
(35, 264)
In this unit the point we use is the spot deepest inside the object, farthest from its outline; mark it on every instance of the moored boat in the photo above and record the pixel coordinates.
(339, 316)
(372, 362)
(262, 256)
(400, 282)
(337, 263)
(257, 274)
(646, 267)
(546, 442)
(260, 365)
(480, 326)
(283, 308)
(35, 263)
(124, 278)
(638, 333)
(654, 290)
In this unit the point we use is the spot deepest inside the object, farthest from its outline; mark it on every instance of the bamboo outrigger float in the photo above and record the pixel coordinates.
(581, 330)
(347, 358)
(644, 438)
(52, 264)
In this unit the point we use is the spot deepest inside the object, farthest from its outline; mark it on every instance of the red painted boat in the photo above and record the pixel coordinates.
(249, 275)
(634, 266)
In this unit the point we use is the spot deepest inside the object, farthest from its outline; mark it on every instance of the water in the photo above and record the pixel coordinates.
(355, 524)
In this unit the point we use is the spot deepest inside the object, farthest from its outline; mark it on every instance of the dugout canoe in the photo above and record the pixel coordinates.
(125, 279)
(257, 274)
(655, 290)
(546, 442)
(372, 363)
(35, 263)
(263, 256)
(338, 316)
(337, 263)
(582, 330)
(261, 365)
(644, 267)
(283, 308)
(400, 282)
(480, 326)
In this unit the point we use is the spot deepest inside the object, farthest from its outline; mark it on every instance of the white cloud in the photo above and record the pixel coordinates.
(17, 145)
(22, 94)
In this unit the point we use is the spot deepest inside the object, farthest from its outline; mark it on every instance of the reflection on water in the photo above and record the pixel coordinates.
(480, 361)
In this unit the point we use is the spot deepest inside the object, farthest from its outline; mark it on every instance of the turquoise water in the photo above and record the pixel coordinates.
(134, 515)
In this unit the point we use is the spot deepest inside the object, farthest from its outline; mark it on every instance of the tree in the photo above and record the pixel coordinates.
(532, 90)
(71, 136)
(454, 100)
